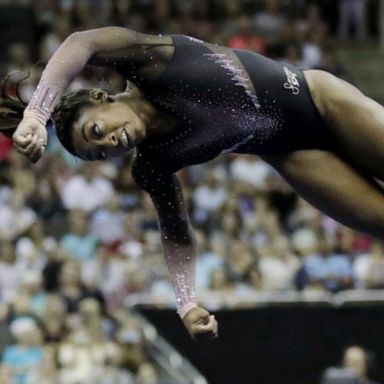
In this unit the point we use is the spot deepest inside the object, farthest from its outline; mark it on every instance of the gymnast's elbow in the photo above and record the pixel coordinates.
(181, 234)
(80, 39)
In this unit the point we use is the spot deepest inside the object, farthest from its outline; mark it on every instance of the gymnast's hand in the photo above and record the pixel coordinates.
(30, 138)
(200, 324)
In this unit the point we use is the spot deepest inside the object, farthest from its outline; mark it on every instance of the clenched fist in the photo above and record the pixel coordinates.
(30, 138)
(200, 324)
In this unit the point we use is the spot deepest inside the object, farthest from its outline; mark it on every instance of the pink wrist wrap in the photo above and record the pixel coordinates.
(182, 311)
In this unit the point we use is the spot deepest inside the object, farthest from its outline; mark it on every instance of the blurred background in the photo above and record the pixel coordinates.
(84, 295)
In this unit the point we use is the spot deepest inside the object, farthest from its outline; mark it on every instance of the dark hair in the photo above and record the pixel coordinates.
(11, 104)
(66, 112)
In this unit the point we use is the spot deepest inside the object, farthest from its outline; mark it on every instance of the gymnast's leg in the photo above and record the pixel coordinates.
(335, 187)
(355, 121)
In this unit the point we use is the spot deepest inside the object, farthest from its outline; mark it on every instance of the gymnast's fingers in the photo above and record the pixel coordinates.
(34, 149)
(37, 152)
(20, 140)
(210, 327)
(29, 147)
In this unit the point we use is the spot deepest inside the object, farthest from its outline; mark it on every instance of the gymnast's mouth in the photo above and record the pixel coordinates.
(124, 138)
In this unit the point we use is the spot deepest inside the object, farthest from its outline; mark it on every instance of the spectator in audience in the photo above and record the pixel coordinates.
(239, 258)
(86, 190)
(16, 218)
(20, 177)
(53, 319)
(131, 245)
(353, 242)
(220, 288)
(353, 14)
(250, 170)
(130, 336)
(26, 354)
(5, 148)
(304, 216)
(47, 371)
(368, 268)
(356, 366)
(19, 59)
(220, 281)
(105, 270)
(20, 308)
(126, 187)
(252, 281)
(5, 334)
(71, 289)
(107, 223)
(331, 62)
(208, 197)
(135, 281)
(327, 269)
(78, 242)
(210, 258)
(270, 21)
(33, 248)
(244, 38)
(111, 370)
(312, 50)
(9, 273)
(359, 361)
(279, 266)
(147, 219)
(229, 224)
(293, 55)
(31, 286)
(44, 198)
(78, 356)
(147, 374)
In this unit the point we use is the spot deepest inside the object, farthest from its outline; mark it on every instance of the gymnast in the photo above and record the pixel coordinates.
(190, 102)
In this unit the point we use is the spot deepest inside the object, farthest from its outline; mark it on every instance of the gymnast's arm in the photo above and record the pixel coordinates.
(178, 245)
(71, 57)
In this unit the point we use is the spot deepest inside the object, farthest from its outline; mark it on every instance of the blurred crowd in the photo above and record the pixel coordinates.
(78, 239)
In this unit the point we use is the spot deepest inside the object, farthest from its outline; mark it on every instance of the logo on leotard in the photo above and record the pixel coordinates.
(292, 82)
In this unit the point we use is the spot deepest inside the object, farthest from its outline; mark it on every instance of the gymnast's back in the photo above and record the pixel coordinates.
(223, 100)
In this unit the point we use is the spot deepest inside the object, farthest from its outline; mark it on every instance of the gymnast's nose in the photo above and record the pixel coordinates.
(113, 139)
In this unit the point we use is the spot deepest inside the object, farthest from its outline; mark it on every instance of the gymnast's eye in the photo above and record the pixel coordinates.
(95, 129)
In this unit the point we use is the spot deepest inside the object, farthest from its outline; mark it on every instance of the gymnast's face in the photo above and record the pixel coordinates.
(108, 128)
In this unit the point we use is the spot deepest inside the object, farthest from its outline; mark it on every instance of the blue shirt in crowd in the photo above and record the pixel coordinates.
(22, 360)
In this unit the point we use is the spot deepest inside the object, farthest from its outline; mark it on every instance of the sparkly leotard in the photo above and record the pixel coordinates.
(228, 101)
(223, 101)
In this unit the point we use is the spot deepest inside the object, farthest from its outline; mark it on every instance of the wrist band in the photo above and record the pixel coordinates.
(43, 101)
(182, 311)
(37, 114)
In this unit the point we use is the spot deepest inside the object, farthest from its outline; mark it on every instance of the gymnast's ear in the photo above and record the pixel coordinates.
(99, 95)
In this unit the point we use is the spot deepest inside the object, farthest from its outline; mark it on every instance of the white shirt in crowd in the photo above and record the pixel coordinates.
(251, 171)
(10, 277)
(278, 274)
(209, 199)
(14, 222)
(87, 195)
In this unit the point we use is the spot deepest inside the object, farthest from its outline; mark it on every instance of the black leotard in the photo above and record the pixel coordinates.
(227, 101)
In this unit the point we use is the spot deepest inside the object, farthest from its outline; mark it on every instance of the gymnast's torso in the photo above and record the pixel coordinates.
(223, 101)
